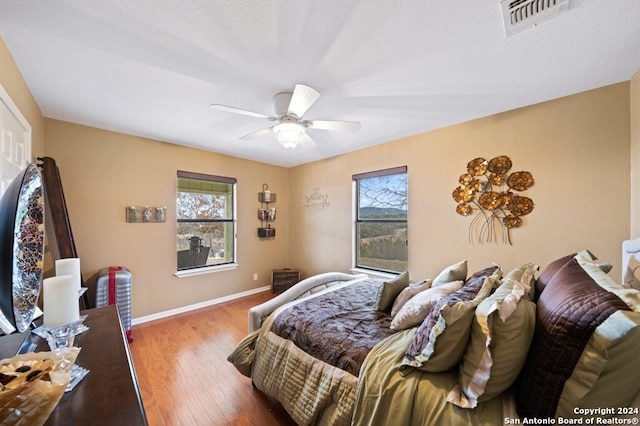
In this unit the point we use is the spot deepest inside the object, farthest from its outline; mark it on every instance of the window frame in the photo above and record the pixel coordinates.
(206, 269)
(356, 178)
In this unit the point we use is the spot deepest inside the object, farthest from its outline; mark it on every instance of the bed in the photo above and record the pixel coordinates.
(496, 348)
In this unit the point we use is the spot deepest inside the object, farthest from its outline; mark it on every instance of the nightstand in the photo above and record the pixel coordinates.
(282, 279)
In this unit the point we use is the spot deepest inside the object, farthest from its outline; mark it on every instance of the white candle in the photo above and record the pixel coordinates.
(69, 266)
(60, 304)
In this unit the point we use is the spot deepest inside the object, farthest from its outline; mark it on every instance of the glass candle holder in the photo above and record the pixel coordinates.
(63, 337)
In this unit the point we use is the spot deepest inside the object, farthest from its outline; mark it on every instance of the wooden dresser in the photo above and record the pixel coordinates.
(109, 394)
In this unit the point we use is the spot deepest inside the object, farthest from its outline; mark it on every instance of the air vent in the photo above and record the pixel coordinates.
(521, 14)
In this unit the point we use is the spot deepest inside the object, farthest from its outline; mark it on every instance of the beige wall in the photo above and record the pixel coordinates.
(635, 155)
(13, 82)
(577, 149)
(102, 172)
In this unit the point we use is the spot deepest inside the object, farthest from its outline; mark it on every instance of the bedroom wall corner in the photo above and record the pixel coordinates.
(635, 155)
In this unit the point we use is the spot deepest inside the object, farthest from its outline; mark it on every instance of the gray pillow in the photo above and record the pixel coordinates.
(455, 272)
(389, 290)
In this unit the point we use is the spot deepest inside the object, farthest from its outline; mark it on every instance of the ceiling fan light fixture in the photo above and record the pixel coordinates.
(289, 134)
(291, 128)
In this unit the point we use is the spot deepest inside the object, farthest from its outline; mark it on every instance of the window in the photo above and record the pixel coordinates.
(205, 211)
(381, 220)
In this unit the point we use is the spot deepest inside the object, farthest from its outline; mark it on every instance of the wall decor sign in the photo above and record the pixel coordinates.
(488, 189)
(316, 201)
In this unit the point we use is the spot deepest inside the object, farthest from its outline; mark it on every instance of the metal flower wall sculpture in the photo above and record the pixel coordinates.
(489, 188)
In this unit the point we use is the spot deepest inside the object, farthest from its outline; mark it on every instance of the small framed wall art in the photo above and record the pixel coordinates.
(145, 214)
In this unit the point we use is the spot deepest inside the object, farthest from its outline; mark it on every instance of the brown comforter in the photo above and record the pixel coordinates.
(339, 328)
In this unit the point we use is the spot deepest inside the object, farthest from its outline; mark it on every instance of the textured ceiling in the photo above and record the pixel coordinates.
(152, 67)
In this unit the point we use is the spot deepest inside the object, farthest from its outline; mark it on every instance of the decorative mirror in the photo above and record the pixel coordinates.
(22, 247)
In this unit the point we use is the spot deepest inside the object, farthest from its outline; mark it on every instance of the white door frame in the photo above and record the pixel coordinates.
(20, 161)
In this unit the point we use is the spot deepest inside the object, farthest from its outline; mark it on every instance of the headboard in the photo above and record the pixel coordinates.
(631, 263)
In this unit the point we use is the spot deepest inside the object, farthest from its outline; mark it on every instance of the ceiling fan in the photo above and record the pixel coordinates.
(289, 109)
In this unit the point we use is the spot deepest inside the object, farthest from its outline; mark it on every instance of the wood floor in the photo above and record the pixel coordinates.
(184, 376)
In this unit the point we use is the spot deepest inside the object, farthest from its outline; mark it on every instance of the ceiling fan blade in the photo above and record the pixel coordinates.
(241, 111)
(257, 134)
(348, 126)
(307, 142)
(302, 99)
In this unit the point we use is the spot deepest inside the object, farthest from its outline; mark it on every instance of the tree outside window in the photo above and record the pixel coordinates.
(205, 208)
(381, 220)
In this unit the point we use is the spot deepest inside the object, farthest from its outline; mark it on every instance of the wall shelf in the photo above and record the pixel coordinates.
(266, 213)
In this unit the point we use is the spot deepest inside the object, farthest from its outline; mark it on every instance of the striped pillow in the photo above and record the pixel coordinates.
(439, 342)
(500, 337)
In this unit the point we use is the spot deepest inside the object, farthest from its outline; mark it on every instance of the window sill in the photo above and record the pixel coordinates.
(206, 270)
(372, 273)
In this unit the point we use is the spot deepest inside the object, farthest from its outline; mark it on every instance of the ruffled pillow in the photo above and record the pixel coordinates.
(517, 273)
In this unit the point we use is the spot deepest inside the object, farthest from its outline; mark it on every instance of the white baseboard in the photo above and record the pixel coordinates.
(200, 305)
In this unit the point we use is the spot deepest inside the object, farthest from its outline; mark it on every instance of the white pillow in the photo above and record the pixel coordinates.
(418, 307)
(407, 294)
